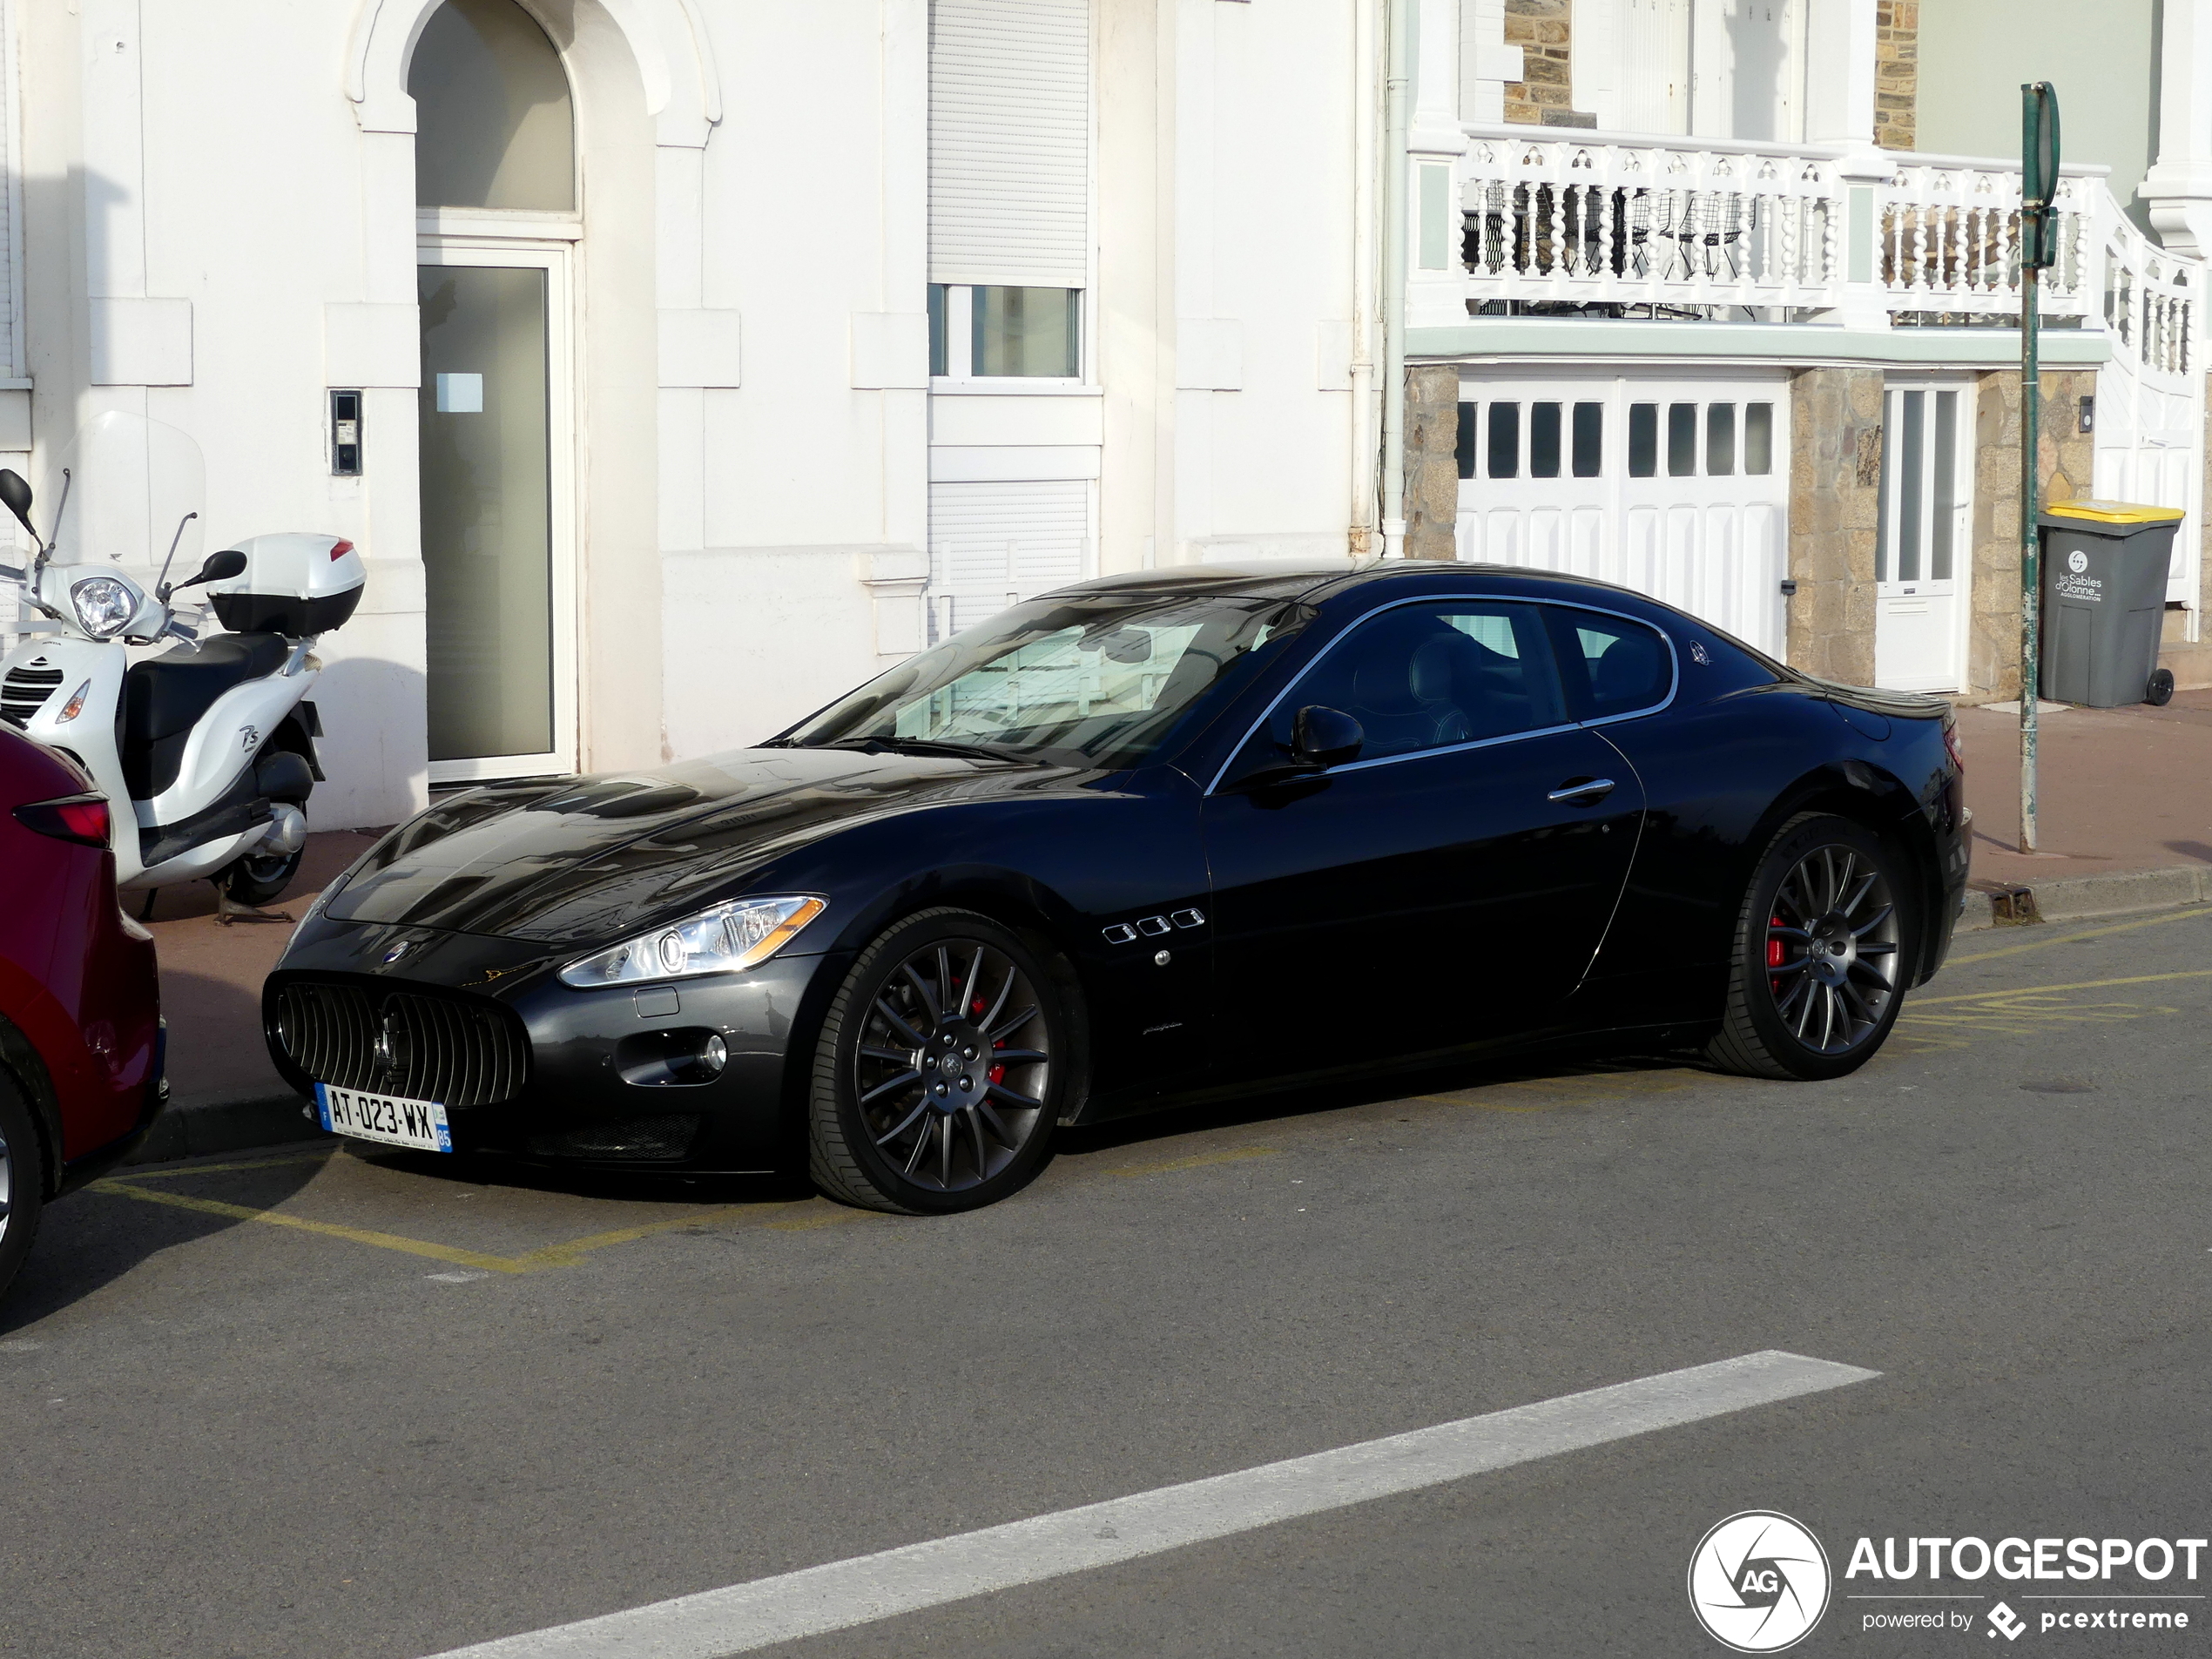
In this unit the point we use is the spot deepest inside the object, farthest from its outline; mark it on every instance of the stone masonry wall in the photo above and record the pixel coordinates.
(1835, 489)
(2065, 460)
(1897, 72)
(1431, 461)
(1544, 95)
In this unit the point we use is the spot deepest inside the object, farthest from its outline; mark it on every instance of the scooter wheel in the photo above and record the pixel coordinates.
(2160, 691)
(259, 879)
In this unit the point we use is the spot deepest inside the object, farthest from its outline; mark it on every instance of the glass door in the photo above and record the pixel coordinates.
(495, 517)
(1921, 547)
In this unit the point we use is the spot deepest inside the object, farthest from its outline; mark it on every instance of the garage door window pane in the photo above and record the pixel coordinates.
(1589, 439)
(1720, 439)
(1758, 439)
(1463, 445)
(1543, 440)
(1505, 441)
(1643, 439)
(1681, 440)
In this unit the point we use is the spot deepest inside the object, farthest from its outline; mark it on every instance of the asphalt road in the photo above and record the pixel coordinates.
(323, 1404)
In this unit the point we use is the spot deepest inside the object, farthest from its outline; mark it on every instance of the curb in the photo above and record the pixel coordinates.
(2077, 897)
(197, 1125)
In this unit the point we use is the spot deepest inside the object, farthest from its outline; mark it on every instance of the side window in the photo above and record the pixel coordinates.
(1429, 676)
(1610, 665)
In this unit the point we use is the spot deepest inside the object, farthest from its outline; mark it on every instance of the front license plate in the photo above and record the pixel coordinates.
(388, 1119)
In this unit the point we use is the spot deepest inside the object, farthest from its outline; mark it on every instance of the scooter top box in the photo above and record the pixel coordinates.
(293, 584)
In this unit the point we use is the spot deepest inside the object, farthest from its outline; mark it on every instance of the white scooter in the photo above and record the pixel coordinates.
(213, 742)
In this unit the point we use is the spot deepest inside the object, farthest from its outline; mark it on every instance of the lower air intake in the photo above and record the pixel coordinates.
(635, 1139)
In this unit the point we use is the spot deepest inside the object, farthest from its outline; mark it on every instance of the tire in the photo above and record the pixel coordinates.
(258, 881)
(2160, 691)
(899, 1118)
(1819, 970)
(22, 1190)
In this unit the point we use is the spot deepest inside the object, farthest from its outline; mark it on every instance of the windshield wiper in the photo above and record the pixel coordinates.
(920, 746)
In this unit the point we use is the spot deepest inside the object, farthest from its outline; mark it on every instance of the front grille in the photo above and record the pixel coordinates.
(399, 1042)
(638, 1138)
(25, 690)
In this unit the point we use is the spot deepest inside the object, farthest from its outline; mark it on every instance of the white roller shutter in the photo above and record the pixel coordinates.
(1009, 141)
(992, 543)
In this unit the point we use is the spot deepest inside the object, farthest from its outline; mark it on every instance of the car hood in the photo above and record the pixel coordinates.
(580, 859)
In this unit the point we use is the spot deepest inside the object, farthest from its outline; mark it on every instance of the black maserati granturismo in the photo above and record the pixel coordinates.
(1147, 840)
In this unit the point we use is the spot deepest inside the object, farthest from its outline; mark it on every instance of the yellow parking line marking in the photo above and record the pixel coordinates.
(328, 1229)
(1484, 1105)
(1176, 1166)
(322, 1157)
(2078, 985)
(830, 1218)
(2086, 933)
(567, 1255)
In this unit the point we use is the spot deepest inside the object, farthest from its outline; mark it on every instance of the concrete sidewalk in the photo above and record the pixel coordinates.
(2126, 817)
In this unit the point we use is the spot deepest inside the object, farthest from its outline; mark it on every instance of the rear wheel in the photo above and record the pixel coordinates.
(1820, 954)
(21, 1180)
(939, 1074)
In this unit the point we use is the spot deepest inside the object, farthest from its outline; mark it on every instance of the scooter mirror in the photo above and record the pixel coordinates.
(220, 567)
(15, 495)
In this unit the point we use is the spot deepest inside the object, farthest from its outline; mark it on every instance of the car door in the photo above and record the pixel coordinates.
(1446, 887)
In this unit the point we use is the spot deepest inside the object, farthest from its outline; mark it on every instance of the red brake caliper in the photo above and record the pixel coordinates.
(997, 1073)
(1773, 944)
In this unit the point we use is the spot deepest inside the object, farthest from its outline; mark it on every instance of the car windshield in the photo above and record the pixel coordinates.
(1084, 680)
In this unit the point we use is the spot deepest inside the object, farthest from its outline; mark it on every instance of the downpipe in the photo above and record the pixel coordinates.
(1367, 80)
(1397, 93)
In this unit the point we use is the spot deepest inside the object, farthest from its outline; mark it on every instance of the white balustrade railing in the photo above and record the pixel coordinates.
(1950, 241)
(1686, 228)
(2153, 304)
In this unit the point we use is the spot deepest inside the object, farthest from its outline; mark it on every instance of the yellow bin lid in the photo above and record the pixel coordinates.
(2113, 512)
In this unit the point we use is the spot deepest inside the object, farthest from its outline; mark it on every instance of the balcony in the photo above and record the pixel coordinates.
(1617, 226)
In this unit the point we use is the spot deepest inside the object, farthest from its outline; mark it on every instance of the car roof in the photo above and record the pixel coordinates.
(1315, 580)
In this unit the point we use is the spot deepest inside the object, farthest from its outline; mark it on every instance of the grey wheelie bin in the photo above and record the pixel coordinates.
(2104, 599)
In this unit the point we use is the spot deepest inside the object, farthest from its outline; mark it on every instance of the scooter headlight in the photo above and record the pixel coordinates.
(105, 605)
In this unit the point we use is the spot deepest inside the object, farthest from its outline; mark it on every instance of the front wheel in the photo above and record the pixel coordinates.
(941, 1069)
(1820, 956)
(22, 1180)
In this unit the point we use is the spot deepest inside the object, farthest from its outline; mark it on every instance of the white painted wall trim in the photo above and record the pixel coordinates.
(667, 38)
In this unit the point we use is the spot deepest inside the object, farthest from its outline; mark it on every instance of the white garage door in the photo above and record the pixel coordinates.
(993, 543)
(1677, 487)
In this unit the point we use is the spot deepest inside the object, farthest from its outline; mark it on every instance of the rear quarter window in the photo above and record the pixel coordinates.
(1609, 664)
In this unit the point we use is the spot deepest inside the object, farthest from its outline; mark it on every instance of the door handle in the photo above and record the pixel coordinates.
(1587, 793)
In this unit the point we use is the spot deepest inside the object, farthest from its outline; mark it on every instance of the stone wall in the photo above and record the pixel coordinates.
(2065, 460)
(1897, 73)
(1544, 94)
(1431, 461)
(1835, 489)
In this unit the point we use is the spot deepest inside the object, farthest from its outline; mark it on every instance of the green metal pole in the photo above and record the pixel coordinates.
(2030, 577)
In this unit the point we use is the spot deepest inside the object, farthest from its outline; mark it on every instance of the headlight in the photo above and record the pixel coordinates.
(104, 605)
(741, 933)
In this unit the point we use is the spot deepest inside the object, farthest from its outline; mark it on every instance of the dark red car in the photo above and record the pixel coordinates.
(80, 1006)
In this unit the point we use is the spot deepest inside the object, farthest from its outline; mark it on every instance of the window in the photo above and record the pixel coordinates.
(1095, 678)
(1643, 439)
(493, 125)
(1505, 440)
(1681, 440)
(1720, 440)
(1611, 665)
(1543, 439)
(1916, 535)
(1589, 439)
(1758, 439)
(988, 332)
(1429, 676)
(1463, 445)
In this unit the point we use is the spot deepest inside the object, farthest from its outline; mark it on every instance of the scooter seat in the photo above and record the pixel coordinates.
(165, 696)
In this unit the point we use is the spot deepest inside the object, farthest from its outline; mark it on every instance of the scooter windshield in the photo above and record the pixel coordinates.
(121, 492)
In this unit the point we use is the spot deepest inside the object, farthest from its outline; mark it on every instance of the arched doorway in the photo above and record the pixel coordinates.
(495, 192)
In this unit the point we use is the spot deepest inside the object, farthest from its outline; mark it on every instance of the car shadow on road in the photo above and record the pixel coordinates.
(1353, 1093)
(93, 1237)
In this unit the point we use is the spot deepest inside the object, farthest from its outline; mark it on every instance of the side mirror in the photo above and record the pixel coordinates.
(15, 495)
(220, 567)
(1325, 737)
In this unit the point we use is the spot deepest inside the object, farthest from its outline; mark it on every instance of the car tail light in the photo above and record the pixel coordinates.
(1951, 744)
(82, 819)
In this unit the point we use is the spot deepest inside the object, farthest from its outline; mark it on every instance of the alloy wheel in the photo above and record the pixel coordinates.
(1832, 944)
(7, 1185)
(953, 1065)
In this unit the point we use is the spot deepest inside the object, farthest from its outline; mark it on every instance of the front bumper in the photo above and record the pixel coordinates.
(604, 1074)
